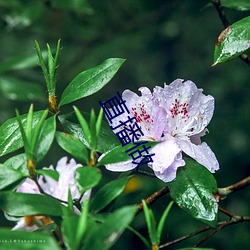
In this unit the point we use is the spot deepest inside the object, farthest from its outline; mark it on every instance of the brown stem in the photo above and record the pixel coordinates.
(146, 173)
(235, 220)
(223, 192)
(226, 23)
(152, 198)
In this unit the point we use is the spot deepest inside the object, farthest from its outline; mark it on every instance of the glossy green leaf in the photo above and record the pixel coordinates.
(46, 138)
(108, 193)
(107, 139)
(233, 41)
(90, 81)
(105, 235)
(118, 154)
(53, 174)
(73, 146)
(193, 191)
(19, 90)
(241, 5)
(18, 162)
(16, 240)
(9, 175)
(20, 204)
(10, 136)
(87, 177)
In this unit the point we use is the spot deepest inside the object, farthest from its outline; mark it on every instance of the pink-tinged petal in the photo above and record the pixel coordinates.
(59, 189)
(201, 153)
(166, 160)
(189, 110)
(29, 187)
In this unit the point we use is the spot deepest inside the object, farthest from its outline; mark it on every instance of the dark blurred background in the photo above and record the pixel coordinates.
(161, 41)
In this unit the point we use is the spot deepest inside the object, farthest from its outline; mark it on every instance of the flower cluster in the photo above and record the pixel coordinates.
(58, 189)
(176, 116)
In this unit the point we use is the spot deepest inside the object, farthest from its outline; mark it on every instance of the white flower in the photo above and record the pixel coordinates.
(176, 116)
(58, 189)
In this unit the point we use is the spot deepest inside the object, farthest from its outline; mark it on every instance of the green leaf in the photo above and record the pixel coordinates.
(19, 90)
(90, 81)
(193, 191)
(78, 6)
(87, 177)
(151, 223)
(18, 162)
(233, 41)
(84, 125)
(105, 235)
(118, 154)
(107, 138)
(108, 193)
(53, 174)
(16, 240)
(162, 221)
(46, 137)
(8, 176)
(241, 5)
(10, 136)
(74, 228)
(69, 230)
(20, 204)
(73, 146)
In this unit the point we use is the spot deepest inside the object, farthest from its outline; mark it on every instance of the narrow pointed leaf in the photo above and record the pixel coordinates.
(162, 221)
(90, 81)
(46, 137)
(107, 139)
(193, 191)
(10, 136)
(84, 125)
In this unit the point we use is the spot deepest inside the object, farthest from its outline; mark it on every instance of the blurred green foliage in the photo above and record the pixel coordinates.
(161, 41)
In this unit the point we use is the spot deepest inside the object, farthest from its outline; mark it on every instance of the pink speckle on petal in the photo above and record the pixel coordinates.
(179, 109)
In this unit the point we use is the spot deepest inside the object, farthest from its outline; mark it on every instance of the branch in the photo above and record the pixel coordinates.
(226, 23)
(235, 220)
(152, 198)
(146, 173)
(223, 192)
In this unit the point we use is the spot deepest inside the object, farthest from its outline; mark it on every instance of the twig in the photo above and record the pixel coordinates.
(152, 198)
(223, 192)
(226, 23)
(224, 211)
(235, 220)
(204, 229)
(146, 173)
